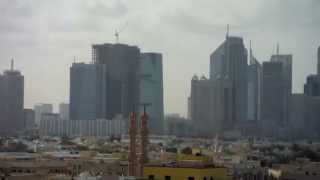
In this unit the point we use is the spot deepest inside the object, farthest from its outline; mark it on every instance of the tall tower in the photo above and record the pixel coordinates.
(11, 101)
(229, 63)
(273, 94)
(132, 149)
(121, 79)
(285, 61)
(144, 132)
(151, 90)
(254, 87)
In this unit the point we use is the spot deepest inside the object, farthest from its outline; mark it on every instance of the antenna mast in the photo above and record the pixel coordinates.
(117, 32)
(12, 65)
(227, 35)
(250, 55)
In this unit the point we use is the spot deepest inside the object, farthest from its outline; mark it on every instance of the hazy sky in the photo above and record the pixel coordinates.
(43, 36)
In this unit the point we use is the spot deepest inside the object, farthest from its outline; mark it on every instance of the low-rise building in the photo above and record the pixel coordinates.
(185, 171)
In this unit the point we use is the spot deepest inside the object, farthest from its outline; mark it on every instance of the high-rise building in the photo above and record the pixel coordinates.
(11, 102)
(286, 64)
(87, 91)
(229, 63)
(189, 109)
(274, 90)
(28, 119)
(201, 106)
(64, 111)
(312, 86)
(151, 90)
(122, 77)
(312, 103)
(40, 109)
(254, 88)
(210, 106)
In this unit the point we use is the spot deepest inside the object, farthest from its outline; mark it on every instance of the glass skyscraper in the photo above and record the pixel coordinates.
(151, 90)
(229, 63)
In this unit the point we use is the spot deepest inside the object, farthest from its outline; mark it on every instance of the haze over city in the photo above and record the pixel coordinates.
(44, 37)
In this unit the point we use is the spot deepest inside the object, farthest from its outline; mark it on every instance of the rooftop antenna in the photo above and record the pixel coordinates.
(277, 48)
(227, 35)
(250, 55)
(12, 64)
(117, 32)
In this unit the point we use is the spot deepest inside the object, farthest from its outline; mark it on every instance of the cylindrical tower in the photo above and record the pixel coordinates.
(144, 143)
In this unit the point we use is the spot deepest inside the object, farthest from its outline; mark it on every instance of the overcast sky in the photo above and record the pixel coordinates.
(43, 36)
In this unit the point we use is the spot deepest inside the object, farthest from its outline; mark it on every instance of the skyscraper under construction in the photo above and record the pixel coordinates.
(122, 77)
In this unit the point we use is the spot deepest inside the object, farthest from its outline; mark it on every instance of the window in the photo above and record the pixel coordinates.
(190, 178)
(167, 178)
(151, 177)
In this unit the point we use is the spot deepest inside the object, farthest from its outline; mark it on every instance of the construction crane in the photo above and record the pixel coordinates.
(118, 31)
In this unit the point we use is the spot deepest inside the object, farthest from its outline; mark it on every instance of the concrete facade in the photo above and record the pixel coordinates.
(312, 86)
(211, 104)
(29, 119)
(122, 79)
(87, 91)
(286, 64)
(64, 111)
(40, 109)
(274, 90)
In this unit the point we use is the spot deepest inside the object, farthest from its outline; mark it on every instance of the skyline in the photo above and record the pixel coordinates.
(179, 40)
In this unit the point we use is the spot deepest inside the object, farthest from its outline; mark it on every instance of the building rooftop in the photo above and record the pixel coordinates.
(185, 164)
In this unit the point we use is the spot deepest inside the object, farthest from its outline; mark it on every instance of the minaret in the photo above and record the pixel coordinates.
(144, 132)
(132, 148)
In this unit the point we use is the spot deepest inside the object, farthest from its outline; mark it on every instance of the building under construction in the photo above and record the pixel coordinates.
(122, 77)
